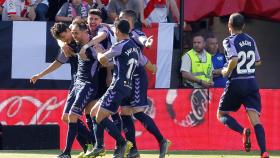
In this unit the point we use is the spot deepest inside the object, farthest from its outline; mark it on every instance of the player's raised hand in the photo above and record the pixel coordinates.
(34, 78)
(149, 42)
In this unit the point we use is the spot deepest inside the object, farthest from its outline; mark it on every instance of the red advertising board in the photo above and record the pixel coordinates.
(189, 120)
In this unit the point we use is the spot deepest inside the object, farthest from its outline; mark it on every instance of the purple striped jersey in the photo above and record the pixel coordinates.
(87, 68)
(244, 47)
(125, 57)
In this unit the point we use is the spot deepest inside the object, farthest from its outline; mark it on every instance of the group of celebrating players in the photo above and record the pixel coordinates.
(109, 83)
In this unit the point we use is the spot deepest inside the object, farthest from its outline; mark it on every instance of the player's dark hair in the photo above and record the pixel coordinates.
(122, 26)
(96, 12)
(236, 21)
(82, 24)
(130, 13)
(58, 28)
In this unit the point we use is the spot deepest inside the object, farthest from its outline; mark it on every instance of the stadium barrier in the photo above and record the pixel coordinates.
(30, 137)
(189, 120)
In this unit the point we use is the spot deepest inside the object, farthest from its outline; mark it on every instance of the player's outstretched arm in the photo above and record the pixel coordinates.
(53, 66)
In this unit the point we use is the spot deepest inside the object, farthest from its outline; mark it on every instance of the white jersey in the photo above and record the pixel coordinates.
(12, 7)
(159, 13)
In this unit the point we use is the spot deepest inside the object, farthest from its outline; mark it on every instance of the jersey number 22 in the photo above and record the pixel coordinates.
(243, 57)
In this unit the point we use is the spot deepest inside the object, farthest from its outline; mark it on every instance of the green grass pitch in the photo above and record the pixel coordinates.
(144, 154)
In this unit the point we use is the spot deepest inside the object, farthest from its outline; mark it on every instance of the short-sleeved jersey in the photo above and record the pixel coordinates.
(13, 7)
(73, 61)
(244, 47)
(87, 69)
(139, 38)
(125, 57)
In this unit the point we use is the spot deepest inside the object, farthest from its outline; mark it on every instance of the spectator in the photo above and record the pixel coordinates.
(157, 11)
(218, 60)
(105, 2)
(17, 10)
(116, 6)
(101, 5)
(41, 9)
(196, 67)
(72, 9)
(54, 7)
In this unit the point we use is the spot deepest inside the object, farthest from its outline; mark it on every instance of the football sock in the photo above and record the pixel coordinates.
(117, 121)
(83, 130)
(90, 126)
(129, 129)
(231, 123)
(82, 141)
(71, 134)
(99, 134)
(149, 124)
(260, 135)
(112, 130)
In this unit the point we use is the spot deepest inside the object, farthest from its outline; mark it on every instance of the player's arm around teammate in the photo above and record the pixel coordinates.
(94, 20)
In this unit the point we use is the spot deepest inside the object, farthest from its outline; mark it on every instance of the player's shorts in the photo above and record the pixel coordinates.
(138, 97)
(81, 94)
(113, 98)
(102, 85)
(69, 101)
(241, 91)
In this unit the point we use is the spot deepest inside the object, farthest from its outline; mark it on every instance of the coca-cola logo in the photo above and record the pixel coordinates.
(26, 110)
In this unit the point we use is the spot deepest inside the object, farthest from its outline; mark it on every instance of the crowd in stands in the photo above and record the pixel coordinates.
(148, 11)
(66, 10)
